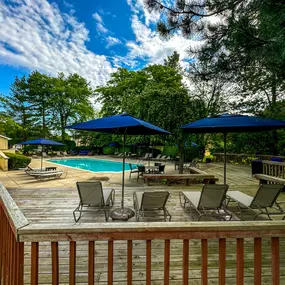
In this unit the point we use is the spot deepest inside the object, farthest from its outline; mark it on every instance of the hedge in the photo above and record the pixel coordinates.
(17, 161)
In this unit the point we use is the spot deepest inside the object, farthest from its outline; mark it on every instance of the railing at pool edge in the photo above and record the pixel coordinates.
(16, 231)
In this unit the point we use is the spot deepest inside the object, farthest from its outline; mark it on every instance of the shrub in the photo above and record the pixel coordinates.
(170, 151)
(17, 161)
(109, 150)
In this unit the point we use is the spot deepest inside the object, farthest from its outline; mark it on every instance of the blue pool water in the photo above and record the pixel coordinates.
(95, 165)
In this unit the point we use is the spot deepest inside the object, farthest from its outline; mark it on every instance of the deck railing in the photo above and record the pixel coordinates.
(273, 168)
(17, 233)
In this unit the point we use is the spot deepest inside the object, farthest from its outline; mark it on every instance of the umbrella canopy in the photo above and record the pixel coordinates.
(231, 123)
(123, 124)
(42, 142)
(114, 144)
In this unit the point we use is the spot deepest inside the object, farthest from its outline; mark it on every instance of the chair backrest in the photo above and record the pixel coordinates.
(212, 196)
(141, 168)
(150, 155)
(90, 193)
(161, 168)
(163, 156)
(131, 166)
(154, 200)
(58, 153)
(158, 156)
(44, 153)
(266, 195)
(146, 155)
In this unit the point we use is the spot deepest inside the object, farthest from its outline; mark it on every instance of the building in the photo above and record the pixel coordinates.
(4, 142)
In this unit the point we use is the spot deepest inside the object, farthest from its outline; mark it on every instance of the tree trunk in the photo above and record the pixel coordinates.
(181, 159)
(272, 107)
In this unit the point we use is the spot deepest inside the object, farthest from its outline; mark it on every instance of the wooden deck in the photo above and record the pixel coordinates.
(54, 206)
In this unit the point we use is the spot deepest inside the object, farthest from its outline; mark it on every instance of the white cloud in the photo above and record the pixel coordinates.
(100, 24)
(34, 34)
(151, 47)
(97, 17)
(111, 41)
(101, 28)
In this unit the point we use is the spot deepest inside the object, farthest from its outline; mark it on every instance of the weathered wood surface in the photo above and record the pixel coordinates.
(52, 207)
(263, 179)
(16, 218)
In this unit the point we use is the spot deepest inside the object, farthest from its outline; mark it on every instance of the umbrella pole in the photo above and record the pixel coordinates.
(225, 158)
(42, 157)
(122, 214)
(123, 179)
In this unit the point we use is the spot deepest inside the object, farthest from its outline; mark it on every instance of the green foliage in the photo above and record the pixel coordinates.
(109, 150)
(17, 161)
(170, 151)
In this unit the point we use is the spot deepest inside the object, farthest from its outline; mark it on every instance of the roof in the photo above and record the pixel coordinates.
(1, 136)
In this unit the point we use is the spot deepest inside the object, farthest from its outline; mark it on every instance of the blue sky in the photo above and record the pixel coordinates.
(89, 37)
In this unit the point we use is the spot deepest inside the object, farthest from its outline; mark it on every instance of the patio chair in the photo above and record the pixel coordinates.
(151, 202)
(264, 198)
(133, 170)
(163, 157)
(44, 154)
(209, 202)
(160, 169)
(141, 171)
(157, 157)
(93, 198)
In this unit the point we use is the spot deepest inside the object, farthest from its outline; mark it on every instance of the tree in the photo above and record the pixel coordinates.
(71, 101)
(155, 94)
(38, 91)
(243, 41)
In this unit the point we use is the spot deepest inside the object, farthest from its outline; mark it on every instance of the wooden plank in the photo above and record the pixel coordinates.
(35, 263)
(110, 262)
(257, 261)
(72, 263)
(166, 261)
(20, 263)
(55, 263)
(130, 262)
(185, 261)
(240, 262)
(148, 262)
(275, 261)
(204, 271)
(222, 261)
(91, 260)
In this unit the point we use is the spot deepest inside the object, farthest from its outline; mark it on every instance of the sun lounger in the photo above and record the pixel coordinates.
(42, 175)
(93, 198)
(58, 153)
(264, 198)
(157, 157)
(209, 202)
(44, 154)
(132, 170)
(147, 202)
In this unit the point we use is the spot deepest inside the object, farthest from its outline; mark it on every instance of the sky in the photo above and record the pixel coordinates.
(89, 37)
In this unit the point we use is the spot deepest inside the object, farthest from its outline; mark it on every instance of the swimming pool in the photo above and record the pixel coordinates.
(95, 165)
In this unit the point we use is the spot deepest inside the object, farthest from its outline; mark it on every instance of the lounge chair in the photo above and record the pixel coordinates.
(147, 155)
(44, 154)
(160, 169)
(264, 198)
(151, 202)
(157, 157)
(208, 202)
(132, 170)
(58, 153)
(93, 195)
(163, 157)
(42, 175)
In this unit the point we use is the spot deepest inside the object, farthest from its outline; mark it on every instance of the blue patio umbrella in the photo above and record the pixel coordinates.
(123, 124)
(41, 142)
(231, 123)
(114, 144)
